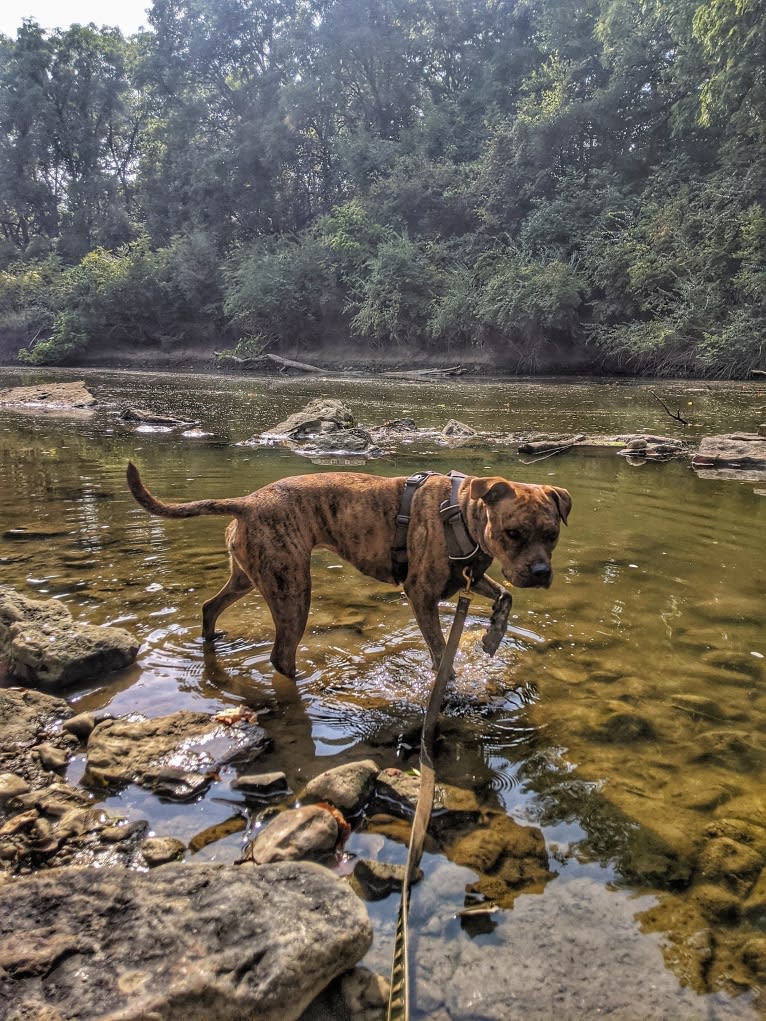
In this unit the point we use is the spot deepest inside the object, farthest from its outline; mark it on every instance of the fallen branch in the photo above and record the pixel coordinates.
(283, 363)
(677, 415)
(453, 370)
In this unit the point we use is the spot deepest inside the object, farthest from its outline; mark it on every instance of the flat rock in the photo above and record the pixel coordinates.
(181, 943)
(177, 756)
(734, 450)
(41, 643)
(262, 785)
(49, 396)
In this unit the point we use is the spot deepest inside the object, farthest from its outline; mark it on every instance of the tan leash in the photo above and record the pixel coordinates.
(398, 1002)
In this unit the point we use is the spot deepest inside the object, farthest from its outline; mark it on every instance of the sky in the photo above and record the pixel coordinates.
(127, 15)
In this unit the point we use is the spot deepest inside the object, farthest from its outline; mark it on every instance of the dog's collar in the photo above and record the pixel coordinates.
(462, 550)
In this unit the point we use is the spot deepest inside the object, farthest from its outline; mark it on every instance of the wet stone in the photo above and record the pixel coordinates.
(11, 786)
(28, 718)
(80, 726)
(309, 832)
(161, 850)
(177, 756)
(348, 786)
(42, 643)
(261, 785)
(52, 758)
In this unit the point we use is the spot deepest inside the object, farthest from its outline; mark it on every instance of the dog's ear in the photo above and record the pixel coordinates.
(562, 499)
(490, 490)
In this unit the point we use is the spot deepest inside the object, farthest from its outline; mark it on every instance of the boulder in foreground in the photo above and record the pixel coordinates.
(181, 943)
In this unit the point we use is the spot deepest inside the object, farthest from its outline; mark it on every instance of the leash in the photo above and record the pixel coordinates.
(398, 1002)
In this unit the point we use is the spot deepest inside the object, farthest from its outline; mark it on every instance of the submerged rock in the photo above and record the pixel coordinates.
(161, 850)
(353, 442)
(177, 756)
(181, 943)
(541, 443)
(41, 643)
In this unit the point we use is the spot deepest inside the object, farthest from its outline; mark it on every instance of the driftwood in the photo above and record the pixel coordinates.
(149, 418)
(454, 370)
(758, 372)
(283, 363)
(677, 415)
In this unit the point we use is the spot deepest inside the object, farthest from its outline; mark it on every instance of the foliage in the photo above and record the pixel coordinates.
(544, 179)
(277, 289)
(392, 300)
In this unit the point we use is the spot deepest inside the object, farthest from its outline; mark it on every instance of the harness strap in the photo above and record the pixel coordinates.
(460, 546)
(462, 550)
(399, 547)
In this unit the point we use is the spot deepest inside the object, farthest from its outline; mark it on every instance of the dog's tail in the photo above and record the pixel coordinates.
(193, 509)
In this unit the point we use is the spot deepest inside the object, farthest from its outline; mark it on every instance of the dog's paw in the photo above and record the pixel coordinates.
(492, 639)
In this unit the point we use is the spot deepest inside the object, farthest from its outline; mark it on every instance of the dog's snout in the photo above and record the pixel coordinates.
(540, 573)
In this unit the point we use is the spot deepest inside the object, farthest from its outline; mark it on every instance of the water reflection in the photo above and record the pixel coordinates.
(624, 717)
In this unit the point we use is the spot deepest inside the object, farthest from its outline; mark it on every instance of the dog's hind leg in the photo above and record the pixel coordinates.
(288, 597)
(238, 585)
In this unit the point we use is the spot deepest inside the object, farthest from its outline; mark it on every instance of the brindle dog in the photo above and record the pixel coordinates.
(275, 529)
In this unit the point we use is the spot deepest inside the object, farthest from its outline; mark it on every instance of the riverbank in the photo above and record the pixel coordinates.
(340, 356)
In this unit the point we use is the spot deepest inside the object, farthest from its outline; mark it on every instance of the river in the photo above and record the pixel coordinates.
(624, 716)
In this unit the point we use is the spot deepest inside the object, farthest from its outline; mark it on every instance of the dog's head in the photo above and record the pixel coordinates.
(521, 526)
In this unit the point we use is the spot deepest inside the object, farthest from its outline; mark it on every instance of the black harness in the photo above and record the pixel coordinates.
(464, 554)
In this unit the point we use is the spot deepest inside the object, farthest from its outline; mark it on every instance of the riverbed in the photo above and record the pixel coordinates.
(624, 716)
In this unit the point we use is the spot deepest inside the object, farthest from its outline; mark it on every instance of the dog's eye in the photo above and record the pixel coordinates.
(513, 534)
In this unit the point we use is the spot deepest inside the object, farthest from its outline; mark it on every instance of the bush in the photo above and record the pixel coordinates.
(394, 294)
(133, 296)
(275, 288)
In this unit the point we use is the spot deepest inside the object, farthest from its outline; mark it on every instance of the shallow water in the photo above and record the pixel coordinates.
(624, 716)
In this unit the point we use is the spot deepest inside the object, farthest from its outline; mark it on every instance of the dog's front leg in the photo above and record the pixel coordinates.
(427, 615)
(501, 608)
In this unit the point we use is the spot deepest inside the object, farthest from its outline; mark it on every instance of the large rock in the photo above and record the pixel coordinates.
(177, 756)
(41, 643)
(49, 396)
(735, 450)
(323, 415)
(181, 943)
